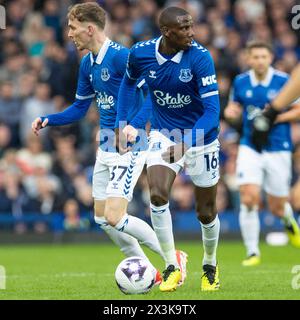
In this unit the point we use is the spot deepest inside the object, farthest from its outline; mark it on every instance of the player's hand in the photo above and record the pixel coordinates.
(174, 153)
(130, 133)
(262, 125)
(120, 141)
(233, 111)
(38, 124)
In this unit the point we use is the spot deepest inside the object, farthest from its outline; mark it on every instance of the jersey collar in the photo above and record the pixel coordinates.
(266, 82)
(101, 53)
(160, 59)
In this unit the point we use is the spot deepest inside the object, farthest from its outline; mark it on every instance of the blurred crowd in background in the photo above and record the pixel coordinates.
(38, 75)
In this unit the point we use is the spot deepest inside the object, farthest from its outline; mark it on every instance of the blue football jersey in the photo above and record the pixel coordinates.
(100, 77)
(183, 87)
(252, 95)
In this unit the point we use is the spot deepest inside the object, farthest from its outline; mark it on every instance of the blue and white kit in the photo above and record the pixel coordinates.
(185, 102)
(100, 77)
(271, 168)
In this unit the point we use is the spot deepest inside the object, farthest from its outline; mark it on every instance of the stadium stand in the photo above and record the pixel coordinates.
(45, 182)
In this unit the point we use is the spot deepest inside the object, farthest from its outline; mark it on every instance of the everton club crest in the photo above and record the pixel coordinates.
(185, 75)
(104, 74)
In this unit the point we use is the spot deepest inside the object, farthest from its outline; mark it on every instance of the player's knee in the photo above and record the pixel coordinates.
(112, 220)
(112, 216)
(249, 200)
(158, 197)
(206, 211)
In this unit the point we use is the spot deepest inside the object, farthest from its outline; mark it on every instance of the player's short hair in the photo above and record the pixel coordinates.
(88, 12)
(257, 44)
(169, 14)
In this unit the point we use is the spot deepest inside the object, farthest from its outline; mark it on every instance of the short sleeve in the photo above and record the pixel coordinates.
(120, 61)
(132, 68)
(205, 73)
(84, 86)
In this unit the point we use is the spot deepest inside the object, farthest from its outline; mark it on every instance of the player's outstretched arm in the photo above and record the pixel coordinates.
(291, 115)
(290, 92)
(73, 113)
(84, 96)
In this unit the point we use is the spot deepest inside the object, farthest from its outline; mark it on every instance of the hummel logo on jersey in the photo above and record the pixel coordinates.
(206, 81)
(164, 99)
(185, 75)
(152, 74)
(115, 186)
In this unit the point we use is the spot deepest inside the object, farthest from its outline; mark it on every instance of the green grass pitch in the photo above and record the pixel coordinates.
(86, 271)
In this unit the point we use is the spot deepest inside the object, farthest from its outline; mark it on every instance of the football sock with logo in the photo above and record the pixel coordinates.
(141, 231)
(210, 237)
(250, 227)
(162, 224)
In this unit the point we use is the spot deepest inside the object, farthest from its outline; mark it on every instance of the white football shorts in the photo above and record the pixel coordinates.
(200, 163)
(270, 170)
(116, 175)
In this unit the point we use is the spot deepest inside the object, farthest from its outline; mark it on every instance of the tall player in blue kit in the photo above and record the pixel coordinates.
(100, 75)
(181, 77)
(269, 168)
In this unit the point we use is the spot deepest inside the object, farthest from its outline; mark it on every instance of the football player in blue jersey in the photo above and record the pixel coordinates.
(264, 122)
(269, 169)
(182, 82)
(100, 75)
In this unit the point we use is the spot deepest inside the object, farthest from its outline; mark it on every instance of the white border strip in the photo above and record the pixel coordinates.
(84, 97)
(208, 94)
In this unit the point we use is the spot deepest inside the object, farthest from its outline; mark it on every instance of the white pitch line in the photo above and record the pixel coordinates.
(59, 275)
(92, 274)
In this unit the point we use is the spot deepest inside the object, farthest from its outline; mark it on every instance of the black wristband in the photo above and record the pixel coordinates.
(271, 113)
